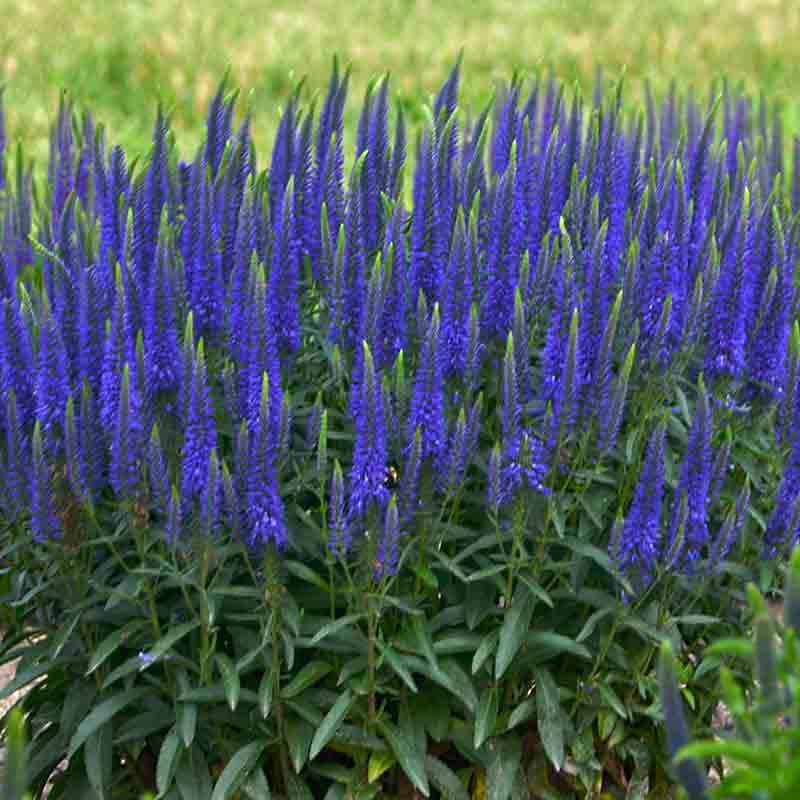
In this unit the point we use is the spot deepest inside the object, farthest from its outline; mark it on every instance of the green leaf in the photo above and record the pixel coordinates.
(707, 665)
(230, 680)
(126, 668)
(24, 677)
(503, 766)
(445, 780)
(558, 643)
(192, 775)
(424, 640)
(524, 711)
(588, 628)
(330, 723)
(237, 769)
(457, 681)
(98, 760)
(256, 787)
(102, 714)
(265, 692)
(487, 646)
(536, 590)
(298, 739)
(297, 789)
(754, 755)
(63, 635)
(166, 642)
(378, 763)
(478, 603)
(515, 627)
(549, 717)
(411, 761)
(486, 715)
(743, 648)
(167, 761)
(395, 661)
(305, 574)
(187, 722)
(432, 709)
(215, 694)
(111, 643)
(612, 699)
(308, 676)
(334, 627)
(696, 619)
(426, 576)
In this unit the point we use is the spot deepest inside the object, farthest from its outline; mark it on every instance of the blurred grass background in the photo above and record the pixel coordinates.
(118, 58)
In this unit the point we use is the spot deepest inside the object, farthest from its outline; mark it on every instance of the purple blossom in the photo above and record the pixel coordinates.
(52, 379)
(695, 478)
(200, 435)
(386, 556)
(44, 523)
(427, 401)
(457, 298)
(639, 543)
(157, 471)
(370, 453)
(127, 439)
(162, 351)
(340, 540)
(265, 514)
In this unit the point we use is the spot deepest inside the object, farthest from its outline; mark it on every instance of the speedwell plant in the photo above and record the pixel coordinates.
(309, 492)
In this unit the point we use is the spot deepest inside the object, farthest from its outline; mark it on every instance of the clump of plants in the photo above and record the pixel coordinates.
(310, 492)
(759, 756)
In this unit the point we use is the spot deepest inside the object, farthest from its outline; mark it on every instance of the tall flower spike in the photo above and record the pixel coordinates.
(456, 300)
(284, 278)
(16, 362)
(730, 531)
(73, 457)
(322, 444)
(612, 411)
(696, 477)
(511, 410)
(409, 482)
(285, 425)
(118, 350)
(52, 379)
(126, 444)
(264, 505)
(231, 501)
(157, 472)
(370, 451)
(639, 543)
(493, 484)
(339, 542)
(200, 436)
(174, 518)
(17, 461)
(210, 503)
(394, 309)
(263, 356)
(720, 469)
(386, 557)
(162, 351)
(44, 523)
(427, 401)
(459, 444)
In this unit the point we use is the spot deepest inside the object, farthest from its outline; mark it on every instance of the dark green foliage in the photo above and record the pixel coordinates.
(759, 756)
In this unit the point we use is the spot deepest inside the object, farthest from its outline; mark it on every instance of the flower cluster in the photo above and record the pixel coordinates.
(551, 264)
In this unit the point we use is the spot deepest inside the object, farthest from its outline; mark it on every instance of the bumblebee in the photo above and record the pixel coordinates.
(390, 480)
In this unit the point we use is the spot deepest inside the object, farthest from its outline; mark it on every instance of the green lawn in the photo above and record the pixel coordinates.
(117, 58)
